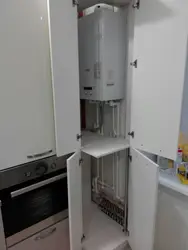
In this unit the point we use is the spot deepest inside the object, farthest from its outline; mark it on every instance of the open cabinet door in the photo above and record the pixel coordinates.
(75, 201)
(65, 74)
(143, 191)
(160, 48)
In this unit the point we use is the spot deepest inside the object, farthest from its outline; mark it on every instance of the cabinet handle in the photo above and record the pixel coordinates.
(45, 235)
(37, 185)
(40, 154)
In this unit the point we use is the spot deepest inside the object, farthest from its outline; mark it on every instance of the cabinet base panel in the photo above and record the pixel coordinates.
(101, 232)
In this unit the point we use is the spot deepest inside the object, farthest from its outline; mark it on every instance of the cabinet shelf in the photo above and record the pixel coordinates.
(99, 146)
(170, 180)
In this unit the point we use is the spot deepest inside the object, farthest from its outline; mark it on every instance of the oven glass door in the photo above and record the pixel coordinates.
(30, 205)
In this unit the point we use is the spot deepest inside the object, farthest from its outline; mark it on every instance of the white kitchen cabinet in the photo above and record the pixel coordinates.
(55, 237)
(101, 231)
(65, 75)
(75, 200)
(156, 78)
(26, 103)
(143, 191)
(160, 48)
(172, 208)
(156, 83)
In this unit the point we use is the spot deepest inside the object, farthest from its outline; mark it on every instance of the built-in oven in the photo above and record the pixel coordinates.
(33, 199)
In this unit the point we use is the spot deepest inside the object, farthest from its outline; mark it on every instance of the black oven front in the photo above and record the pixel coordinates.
(40, 195)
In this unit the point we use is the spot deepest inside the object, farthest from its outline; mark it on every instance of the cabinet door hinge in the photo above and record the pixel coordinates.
(81, 161)
(131, 134)
(136, 5)
(134, 64)
(75, 2)
(78, 137)
(83, 238)
(130, 158)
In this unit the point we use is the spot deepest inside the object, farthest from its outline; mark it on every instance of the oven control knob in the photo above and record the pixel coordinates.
(53, 166)
(28, 174)
(41, 168)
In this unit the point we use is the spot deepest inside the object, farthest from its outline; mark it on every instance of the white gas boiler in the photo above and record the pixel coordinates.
(102, 55)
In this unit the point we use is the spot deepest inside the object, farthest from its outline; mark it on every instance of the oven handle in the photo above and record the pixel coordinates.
(46, 234)
(37, 185)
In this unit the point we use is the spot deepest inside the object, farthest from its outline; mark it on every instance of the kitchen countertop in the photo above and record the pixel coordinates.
(167, 178)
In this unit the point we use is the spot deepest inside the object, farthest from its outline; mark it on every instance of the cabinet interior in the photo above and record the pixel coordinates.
(99, 229)
(83, 4)
(104, 151)
(105, 144)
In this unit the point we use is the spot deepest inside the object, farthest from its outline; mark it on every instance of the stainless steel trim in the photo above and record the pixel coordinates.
(44, 235)
(2, 234)
(36, 228)
(37, 185)
(40, 154)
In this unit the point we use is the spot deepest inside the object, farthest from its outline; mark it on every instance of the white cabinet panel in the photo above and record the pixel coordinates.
(26, 102)
(172, 221)
(64, 54)
(55, 237)
(74, 178)
(160, 48)
(143, 191)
